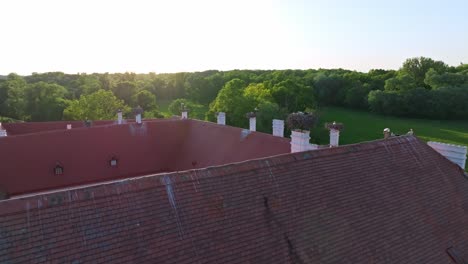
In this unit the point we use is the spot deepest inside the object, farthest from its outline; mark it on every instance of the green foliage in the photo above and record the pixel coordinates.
(44, 101)
(363, 126)
(401, 82)
(267, 111)
(100, 105)
(417, 68)
(293, 95)
(14, 102)
(447, 79)
(124, 90)
(285, 90)
(231, 100)
(145, 100)
(196, 111)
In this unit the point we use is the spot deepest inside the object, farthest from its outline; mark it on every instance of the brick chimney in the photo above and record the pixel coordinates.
(278, 128)
(221, 118)
(300, 141)
(3, 132)
(454, 153)
(119, 117)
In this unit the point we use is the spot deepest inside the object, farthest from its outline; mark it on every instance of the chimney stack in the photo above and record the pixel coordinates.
(334, 133)
(184, 111)
(119, 117)
(278, 128)
(387, 133)
(300, 141)
(3, 132)
(334, 137)
(221, 118)
(252, 116)
(138, 111)
(69, 126)
(454, 153)
(253, 124)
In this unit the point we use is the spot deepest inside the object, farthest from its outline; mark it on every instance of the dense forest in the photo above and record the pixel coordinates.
(422, 88)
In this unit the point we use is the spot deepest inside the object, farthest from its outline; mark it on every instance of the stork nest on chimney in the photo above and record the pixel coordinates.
(251, 114)
(334, 125)
(302, 120)
(138, 110)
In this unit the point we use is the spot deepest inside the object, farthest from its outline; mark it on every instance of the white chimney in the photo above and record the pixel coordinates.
(278, 128)
(454, 153)
(253, 123)
(300, 141)
(3, 132)
(119, 117)
(69, 126)
(221, 118)
(138, 118)
(334, 137)
(184, 114)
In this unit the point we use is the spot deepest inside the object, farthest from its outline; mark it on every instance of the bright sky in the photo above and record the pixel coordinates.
(195, 35)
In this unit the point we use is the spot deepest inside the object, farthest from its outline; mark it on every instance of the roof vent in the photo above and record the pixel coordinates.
(58, 169)
(113, 161)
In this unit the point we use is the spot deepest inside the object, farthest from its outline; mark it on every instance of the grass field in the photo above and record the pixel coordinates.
(363, 126)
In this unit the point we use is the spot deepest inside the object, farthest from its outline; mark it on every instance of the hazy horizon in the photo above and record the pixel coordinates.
(187, 36)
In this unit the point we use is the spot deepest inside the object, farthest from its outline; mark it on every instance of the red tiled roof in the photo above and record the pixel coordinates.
(27, 161)
(387, 201)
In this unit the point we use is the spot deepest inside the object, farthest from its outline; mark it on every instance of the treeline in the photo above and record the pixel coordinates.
(422, 87)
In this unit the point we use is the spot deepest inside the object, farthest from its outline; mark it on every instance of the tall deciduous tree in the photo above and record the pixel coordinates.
(44, 101)
(100, 105)
(144, 99)
(417, 68)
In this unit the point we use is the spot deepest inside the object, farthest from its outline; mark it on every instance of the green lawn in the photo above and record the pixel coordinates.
(364, 126)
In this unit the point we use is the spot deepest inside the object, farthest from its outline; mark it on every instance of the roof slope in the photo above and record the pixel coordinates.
(387, 201)
(28, 161)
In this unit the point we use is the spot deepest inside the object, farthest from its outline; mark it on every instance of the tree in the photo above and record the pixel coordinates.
(447, 79)
(417, 68)
(293, 95)
(12, 101)
(330, 89)
(231, 100)
(124, 90)
(44, 101)
(100, 105)
(402, 82)
(196, 111)
(144, 99)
